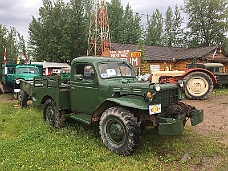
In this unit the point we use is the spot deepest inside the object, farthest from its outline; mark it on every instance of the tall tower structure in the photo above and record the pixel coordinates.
(99, 37)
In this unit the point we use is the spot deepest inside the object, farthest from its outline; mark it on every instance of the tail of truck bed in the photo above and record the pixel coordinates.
(42, 82)
(46, 87)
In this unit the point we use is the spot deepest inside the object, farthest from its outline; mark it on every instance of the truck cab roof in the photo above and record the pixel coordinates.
(205, 65)
(95, 59)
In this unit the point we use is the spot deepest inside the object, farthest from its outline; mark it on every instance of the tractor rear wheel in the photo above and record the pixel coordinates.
(197, 85)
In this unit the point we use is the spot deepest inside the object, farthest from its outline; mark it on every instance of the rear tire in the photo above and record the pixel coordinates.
(120, 130)
(198, 85)
(23, 98)
(52, 115)
(7, 88)
(16, 95)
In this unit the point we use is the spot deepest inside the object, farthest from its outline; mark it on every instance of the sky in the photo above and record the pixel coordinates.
(18, 13)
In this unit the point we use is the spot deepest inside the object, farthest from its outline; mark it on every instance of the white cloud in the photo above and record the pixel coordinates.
(19, 13)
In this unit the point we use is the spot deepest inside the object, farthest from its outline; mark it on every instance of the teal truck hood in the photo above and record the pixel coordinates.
(26, 76)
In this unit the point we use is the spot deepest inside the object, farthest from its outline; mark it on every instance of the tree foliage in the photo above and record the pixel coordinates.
(153, 35)
(115, 15)
(173, 32)
(13, 42)
(131, 32)
(59, 33)
(124, 23)
(207, 22)
(168, 31)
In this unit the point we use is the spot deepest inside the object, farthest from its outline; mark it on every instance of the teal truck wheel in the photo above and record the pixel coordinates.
(120, 130)
(52, 115)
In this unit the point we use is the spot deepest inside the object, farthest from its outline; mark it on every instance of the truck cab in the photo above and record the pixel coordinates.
(13, 73)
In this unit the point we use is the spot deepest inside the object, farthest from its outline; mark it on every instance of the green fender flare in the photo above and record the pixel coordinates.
(137, 103)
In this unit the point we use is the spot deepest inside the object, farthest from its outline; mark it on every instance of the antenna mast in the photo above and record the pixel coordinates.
(99, 38)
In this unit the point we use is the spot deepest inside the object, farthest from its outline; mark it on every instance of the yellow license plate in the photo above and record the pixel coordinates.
(154, 109)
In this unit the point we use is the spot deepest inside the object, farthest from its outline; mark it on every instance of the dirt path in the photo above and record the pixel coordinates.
(215, 122)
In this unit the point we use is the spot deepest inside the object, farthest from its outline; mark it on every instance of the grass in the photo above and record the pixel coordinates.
(220, 91)
(28, 143)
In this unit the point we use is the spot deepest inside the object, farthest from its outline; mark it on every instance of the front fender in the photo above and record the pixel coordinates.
(133, 102)
(212, 76)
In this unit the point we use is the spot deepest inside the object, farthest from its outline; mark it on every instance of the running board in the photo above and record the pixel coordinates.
(82, 118)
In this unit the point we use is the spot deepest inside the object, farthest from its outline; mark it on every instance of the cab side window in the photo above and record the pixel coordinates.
(86, 71)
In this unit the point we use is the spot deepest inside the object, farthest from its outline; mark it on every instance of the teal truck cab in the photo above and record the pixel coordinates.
(106, 90)
(13, 73)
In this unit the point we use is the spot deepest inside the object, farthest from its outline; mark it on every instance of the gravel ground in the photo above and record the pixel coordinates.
(215, 122)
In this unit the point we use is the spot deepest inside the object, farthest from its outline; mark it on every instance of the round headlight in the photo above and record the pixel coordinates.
(149, 95)
(181, 83)
(157, 87)
(17, 81)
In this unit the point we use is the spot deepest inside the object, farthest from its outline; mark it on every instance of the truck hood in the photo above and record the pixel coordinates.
(130, 87)
(26, 76)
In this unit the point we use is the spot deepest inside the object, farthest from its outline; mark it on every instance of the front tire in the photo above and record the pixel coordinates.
(120, 131)
(52, 115)
(198, 85)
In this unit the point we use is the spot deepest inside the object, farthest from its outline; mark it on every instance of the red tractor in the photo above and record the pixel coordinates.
(198, 82)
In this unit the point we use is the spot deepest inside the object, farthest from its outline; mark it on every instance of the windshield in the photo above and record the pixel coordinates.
(216, 69)
(26, 70)
(114, 69)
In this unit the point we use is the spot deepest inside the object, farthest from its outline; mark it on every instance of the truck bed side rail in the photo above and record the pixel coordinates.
(47, 81)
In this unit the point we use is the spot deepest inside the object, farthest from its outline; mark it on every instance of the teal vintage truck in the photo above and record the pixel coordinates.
(106, 90)
(13, 73)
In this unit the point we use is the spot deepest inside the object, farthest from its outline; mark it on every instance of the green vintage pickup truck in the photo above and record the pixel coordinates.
(106, 90)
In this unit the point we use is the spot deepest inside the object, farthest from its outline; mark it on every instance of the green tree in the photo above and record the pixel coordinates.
(78, 27)
(115, 15)
(3, 33)
(178, 33)
(124, 24)
(131, 32)
(168, 31)
(141, 48)
(207, 22)
(13, 42)
(60, 33)
(153, 35)
(173, 33)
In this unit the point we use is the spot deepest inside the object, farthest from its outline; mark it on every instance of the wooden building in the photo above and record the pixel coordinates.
(165, 58)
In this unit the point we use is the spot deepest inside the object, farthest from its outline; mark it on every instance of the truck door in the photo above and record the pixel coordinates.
(84, 87)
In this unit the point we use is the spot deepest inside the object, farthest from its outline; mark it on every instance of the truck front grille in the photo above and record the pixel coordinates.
(167, 97)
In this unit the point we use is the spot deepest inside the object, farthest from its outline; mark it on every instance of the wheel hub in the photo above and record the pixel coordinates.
(50, 115)
(116, 132)
(197, 86)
